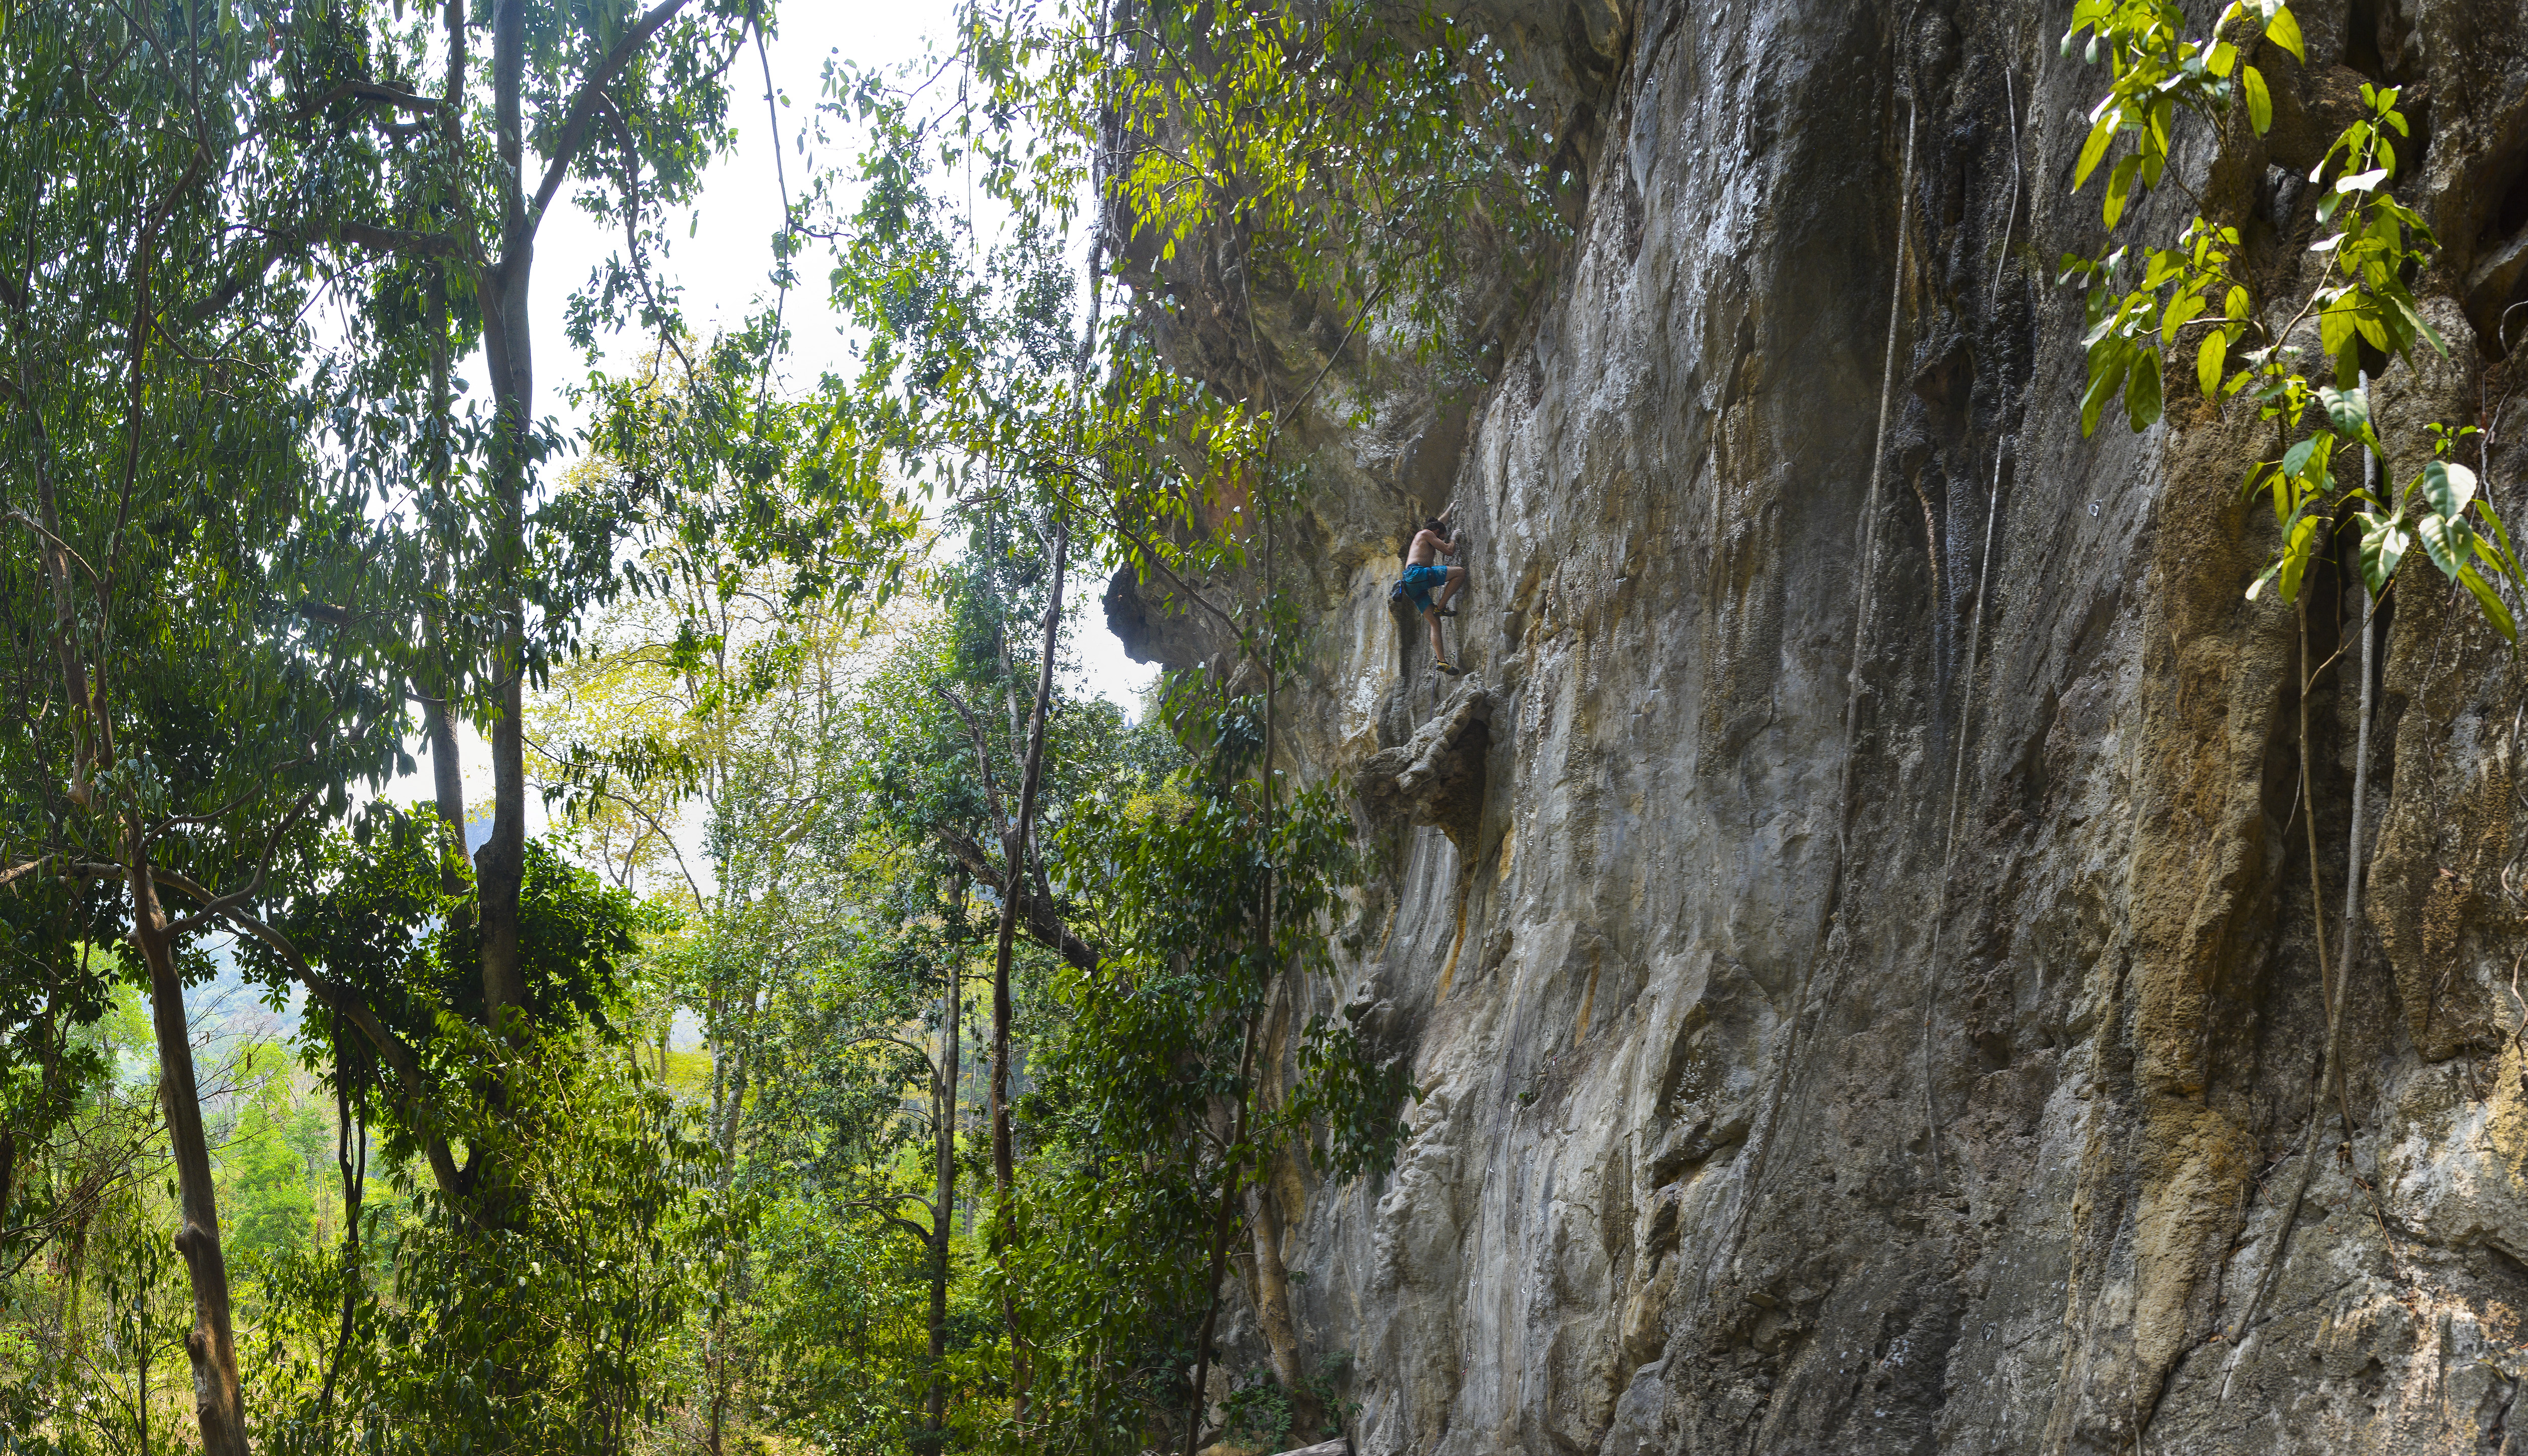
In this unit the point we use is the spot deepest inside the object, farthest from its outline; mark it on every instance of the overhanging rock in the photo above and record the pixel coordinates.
(1437, 776)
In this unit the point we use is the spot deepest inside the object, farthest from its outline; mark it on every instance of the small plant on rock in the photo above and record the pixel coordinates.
(2193, 295)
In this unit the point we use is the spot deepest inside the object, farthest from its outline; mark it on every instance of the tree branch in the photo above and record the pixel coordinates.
(401, 241)
(884, 1207)
(1037, 913)
(583, 106)
(16, 870)
(400, 1058)
(982, 753)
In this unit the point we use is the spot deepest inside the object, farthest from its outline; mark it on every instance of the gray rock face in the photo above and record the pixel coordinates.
(1862, 960)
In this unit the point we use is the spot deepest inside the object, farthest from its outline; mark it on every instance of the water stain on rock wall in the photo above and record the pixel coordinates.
(1856, 926)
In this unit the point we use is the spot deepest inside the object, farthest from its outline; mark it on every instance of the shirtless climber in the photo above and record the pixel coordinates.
(1423, 572)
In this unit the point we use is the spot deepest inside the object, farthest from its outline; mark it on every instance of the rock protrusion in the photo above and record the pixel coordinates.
(1154, 623)
(1437, 776)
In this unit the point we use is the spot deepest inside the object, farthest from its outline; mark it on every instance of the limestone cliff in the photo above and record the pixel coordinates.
(1854, 925)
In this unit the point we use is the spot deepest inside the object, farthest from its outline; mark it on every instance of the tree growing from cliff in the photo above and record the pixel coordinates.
(2313, 393)
(2361, 304)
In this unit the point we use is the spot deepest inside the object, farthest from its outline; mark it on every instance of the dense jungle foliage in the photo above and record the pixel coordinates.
(866, 1058)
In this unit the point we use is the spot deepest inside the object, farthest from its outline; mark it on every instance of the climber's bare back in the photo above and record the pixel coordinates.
(1427, 549)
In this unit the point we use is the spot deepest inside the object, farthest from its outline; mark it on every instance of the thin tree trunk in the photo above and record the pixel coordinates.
(446, 774)
(2356, 869)
(355, 1177)
(448, 777)
(212, 1345)
(1220, 1227)
(1013, 851)
(2330, 992)
(945, 1130)
(737, 1080)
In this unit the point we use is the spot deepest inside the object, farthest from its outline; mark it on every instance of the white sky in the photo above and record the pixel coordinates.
(723, 269)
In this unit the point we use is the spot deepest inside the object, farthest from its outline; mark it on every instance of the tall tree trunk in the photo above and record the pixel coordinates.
(1221, 1222)
(1013, 851)
(1273, 1304)
(439, 723)
(212, 1344)
(8, 1181)
(944, 1128)
(354, 1178)
(736, 1105)
(509, 352)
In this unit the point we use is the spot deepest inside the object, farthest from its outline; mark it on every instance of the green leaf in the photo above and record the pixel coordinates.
(2422, 326)
(2143, 400)
(2284, 32)
(2449, 487)
(2272, 569)
(2209, 357)
(2248, 485)
(2445, 541)
(2104, 380)
(2296, 549)
(2179, 312)
(2384, 543)
(2119, 187)
(2260, 102)
(2295, 459)
(2346, 413)
(2494, 556)
(2491, 601)
(2221, 57)
(2484, 508)
(2093, 150)
(2335, 330)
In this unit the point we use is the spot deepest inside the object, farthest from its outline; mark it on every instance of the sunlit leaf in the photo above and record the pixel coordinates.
(2282, 30)
(2120, 184)
(2384, 542)
(2260, 102)
(2447, 486)
(2210, 356)
(2093, 149)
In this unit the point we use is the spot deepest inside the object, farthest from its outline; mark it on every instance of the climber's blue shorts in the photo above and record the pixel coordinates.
(1419, 582)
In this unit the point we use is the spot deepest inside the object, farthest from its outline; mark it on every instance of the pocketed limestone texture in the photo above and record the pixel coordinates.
(1855, 929)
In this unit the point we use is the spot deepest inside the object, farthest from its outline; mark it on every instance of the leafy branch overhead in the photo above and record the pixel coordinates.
(2196, 298)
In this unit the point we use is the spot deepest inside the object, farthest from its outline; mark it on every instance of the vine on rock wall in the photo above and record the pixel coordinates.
(2358, 301)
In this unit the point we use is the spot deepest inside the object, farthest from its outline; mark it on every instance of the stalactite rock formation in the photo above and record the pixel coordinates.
(1759, 1113)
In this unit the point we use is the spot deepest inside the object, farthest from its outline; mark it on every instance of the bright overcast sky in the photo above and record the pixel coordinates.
(723, 268)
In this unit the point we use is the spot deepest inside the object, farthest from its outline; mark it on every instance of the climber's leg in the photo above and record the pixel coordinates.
(1448, 593)
(1431, 619)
